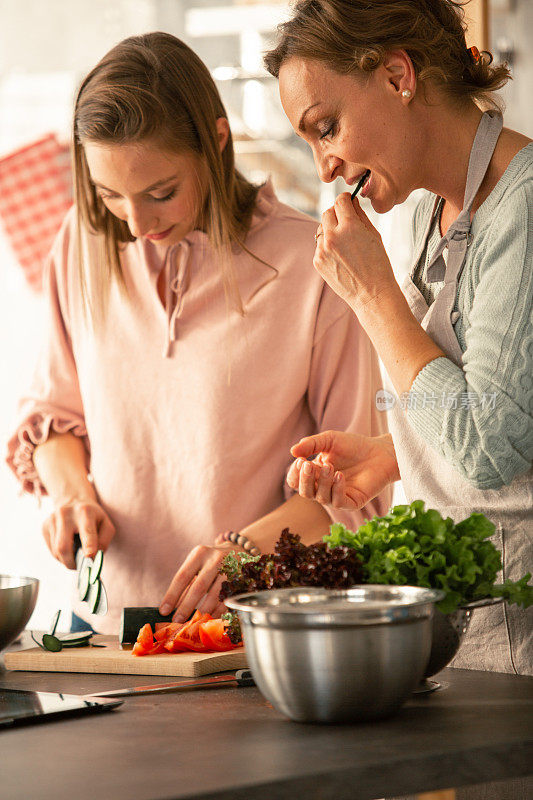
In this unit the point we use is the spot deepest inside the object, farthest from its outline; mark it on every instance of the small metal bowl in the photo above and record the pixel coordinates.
(448, 632)
(323, 655)
(18, 596)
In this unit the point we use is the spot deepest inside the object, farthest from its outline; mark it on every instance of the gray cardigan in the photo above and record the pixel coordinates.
(487, 431)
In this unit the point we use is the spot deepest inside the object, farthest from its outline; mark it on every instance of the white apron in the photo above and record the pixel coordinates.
(500, 637)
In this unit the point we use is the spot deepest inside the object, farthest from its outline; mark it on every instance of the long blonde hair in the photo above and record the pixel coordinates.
(354, 36)
(154, 87)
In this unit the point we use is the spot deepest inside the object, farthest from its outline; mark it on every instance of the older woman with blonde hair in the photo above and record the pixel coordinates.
(388, 92)
(187, 347)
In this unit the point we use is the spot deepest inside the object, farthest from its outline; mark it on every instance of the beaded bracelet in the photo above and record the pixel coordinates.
(240, 540)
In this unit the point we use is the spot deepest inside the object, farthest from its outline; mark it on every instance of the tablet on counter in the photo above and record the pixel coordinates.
(18, 706)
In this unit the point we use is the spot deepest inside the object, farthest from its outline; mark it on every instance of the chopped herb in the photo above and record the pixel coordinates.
(232, 626)
(292, 564)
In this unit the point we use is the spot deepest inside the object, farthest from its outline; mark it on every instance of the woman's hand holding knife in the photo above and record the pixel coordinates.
(61, 465)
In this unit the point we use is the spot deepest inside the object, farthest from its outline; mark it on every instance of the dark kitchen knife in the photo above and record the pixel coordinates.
(243, 677)
(133, 618)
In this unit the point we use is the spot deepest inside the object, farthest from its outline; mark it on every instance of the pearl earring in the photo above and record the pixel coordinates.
(407, 93)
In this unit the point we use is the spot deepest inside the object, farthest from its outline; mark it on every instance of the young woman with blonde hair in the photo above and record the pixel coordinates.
(188, 345)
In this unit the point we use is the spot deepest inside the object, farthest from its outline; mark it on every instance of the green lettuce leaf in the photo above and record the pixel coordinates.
(412, 545)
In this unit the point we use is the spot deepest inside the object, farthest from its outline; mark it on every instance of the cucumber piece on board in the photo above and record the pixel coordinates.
(71, 639)
(52, 643)
(80, 643)
(53, 624)
(84, 582)
(96, 567)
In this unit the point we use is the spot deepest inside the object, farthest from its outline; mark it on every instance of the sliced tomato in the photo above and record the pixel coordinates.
(156, 649)
(182, 645)
(173, 646)
(168, 630)
(145, 637)
(188, 636)
(214, 637)
(200, 634)
(206, 640)
(163, 632)
(191, 628)
(198, 616)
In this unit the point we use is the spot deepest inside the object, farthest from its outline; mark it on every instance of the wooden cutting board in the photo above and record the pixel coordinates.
(113, 659)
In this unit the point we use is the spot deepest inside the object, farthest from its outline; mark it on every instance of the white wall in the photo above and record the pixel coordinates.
(516, 26)
(45, 48)
(22, 548)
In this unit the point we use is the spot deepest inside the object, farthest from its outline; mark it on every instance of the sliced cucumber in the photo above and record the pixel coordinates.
(86, 562)
(53, 624)
(93, 598)
(96, 568)
(99, 605)
(79, 561)
(79, 643)
(37, 641)
(90, 587)
(70, 639)
(102, 603)
(84, 584)
(52, 643)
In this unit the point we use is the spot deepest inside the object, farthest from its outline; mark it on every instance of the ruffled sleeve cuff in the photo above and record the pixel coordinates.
(34, 431)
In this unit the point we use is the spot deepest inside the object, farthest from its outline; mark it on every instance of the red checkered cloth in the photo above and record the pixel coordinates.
(35, 195)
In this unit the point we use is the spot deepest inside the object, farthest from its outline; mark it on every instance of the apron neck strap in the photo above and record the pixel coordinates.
(483, 147)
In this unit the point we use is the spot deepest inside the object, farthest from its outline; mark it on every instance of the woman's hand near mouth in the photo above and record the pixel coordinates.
(352, 260)
(350, 255)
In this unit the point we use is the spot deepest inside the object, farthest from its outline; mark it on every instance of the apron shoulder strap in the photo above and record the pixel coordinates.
(422, 239)
(487, 135)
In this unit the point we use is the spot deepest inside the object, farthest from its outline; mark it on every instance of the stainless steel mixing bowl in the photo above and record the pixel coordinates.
(323, 655)
(448, 633)
(18, 595)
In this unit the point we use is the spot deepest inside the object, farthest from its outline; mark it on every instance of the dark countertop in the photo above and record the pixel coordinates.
(229, 744)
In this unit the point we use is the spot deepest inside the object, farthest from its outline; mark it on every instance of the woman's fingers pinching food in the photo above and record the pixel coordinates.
(325, 484)
(293, 475)
(338, 491)
(308, 476)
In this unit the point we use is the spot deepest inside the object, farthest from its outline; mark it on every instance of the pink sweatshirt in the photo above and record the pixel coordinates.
(189, 413)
